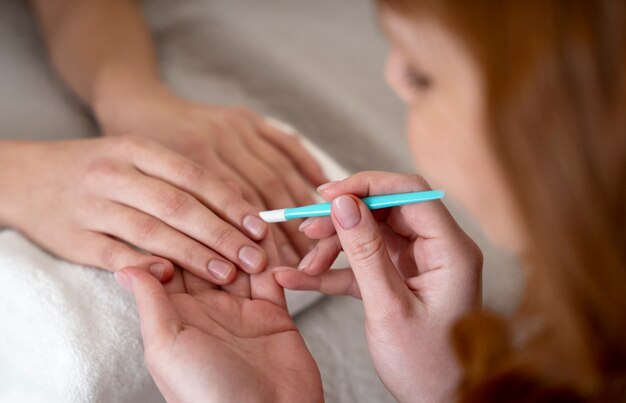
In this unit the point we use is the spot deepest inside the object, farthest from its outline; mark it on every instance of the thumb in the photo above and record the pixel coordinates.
(380, 284)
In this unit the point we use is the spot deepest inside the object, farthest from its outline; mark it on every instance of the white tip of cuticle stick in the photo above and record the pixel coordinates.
(273, 216)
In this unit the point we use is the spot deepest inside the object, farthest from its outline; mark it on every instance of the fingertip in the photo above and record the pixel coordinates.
(255, 227)
(325, 187)
(221, 272)
(123, 279)
(163, 270)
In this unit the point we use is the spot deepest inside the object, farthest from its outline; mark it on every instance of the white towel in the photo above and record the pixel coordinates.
(70, 334)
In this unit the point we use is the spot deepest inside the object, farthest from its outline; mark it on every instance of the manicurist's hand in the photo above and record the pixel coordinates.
(415, 269)
(203, 344)
(114, 202)
(271, 167)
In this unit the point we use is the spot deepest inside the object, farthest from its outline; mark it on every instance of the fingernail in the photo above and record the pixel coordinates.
(157, 270)
(256, 227)
(289, 255)
(282, 269)
(306, 223)
(308, 259)
(325, 186)
(220, 269)
(346, 212)
(251, 257)
(124, 280)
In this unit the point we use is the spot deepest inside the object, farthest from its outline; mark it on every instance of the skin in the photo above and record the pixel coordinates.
(415, 269)
(115, 73)
(130, 191)
(209, 345)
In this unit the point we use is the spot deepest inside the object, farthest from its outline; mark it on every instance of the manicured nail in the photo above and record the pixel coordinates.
(308, 259)
(346, 212)
(306, 223)
(157, 270)
(124, 280)
(256, 227)
(251, 258)
(220, 269)
(289, 255)
(325, 186)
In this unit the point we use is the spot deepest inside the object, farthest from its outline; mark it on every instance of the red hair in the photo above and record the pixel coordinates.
(555, 85)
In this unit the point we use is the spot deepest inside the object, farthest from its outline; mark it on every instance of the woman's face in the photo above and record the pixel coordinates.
(434, 74)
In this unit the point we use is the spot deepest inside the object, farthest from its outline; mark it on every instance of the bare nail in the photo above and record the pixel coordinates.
(305, 224)
(256, 227)
(346, 212)
(308, 259)
(157, 270)
(220, 269)
(325, 186)
(281, 269)
(251, 258)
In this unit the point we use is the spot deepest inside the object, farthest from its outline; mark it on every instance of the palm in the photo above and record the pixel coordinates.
(232, 338)
(204, 343)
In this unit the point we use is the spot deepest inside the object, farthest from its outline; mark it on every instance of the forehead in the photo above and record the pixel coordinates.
(422, 39)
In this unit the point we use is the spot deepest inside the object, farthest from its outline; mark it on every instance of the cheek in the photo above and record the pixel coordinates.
(434, 145)
(453, 155)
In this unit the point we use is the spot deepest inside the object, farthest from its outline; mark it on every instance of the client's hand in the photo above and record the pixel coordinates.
(415, 269)
(272, 168)
(207, 345)
(88, 200)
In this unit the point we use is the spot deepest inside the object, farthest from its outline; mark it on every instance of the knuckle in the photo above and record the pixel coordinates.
(189, 256)
(190, 172)
(222, 237)
(130, 143)
(109, 256)
(271, 184)
(419, 180)
(366, 247)
(103, 168)
(174, 203)
(146, 227)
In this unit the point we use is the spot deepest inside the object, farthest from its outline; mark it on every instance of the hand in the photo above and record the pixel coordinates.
(415, 269)
(272, 168)
(88, 200)
(206, 345)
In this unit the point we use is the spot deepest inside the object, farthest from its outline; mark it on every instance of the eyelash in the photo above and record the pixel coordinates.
(417, 80)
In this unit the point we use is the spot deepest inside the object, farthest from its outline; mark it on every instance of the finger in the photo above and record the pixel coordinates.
(263, 285)
(282, 166)
(240, 287)
(288, 255)
(334, 282)
(322, 257)
(381, 285)
(177, 284)
(317, 227)
(291, 145)
(160, 324)
(268, 184)
(182, 212)
(161, 163)
(151, 234)
(99, 250)
(195, 285)
(248, 192)
(430, 219)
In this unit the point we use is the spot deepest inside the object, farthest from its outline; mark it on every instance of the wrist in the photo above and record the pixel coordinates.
(120, 100)
(11, 173)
